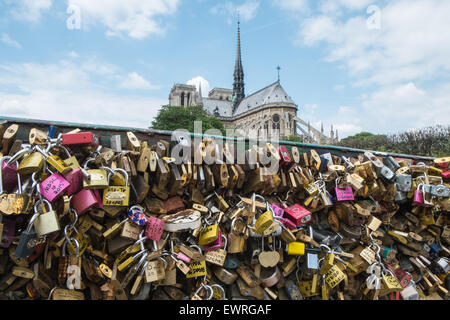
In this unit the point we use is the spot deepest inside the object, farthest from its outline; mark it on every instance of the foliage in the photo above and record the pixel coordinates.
(429, 141)
(175, 117)
(292, 138)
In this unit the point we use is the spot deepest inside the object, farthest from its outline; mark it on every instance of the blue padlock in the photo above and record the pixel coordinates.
(232, 262)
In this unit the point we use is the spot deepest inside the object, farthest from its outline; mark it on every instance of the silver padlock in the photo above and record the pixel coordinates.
(387, 173)
(403, 182)
(438, 191)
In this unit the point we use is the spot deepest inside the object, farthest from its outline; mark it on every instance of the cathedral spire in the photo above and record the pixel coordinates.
(238, 85)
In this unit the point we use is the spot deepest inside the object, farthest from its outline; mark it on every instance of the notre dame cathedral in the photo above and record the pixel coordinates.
(270, 111)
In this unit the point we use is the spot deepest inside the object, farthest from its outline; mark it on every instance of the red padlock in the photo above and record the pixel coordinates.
(285, 159)
(403, 277)
(446, 175)
(81, 138)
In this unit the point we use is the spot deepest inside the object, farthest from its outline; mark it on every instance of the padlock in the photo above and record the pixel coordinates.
(54, 187)
(28, 239)
(117, 195)
(75, 180)
(83, 201)
(46, 222)
(345, 194)
(217, 256)
(53, 160)
(263, 222)
(295, 248)
(31, 162)
(208, 234)
(285, 160)
(80, 139)
(137, 215)
(298, 215)
(7, 231)
(98, 178)
(8, 175)
(418, 195)
(215, 244)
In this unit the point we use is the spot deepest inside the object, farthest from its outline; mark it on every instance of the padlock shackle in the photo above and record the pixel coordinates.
(16, 157)
(40, 201)
(31, 222)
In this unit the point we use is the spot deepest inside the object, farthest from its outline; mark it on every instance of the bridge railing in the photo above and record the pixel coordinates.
(104, 132)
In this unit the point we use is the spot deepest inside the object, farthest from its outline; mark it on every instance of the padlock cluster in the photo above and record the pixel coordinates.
(82, 221)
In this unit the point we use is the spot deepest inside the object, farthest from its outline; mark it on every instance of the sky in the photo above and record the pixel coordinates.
(359, 65)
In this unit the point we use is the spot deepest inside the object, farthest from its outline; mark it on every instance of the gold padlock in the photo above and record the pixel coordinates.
(31, 163)
(117, 196)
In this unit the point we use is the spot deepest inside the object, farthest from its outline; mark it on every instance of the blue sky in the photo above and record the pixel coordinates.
(373, 65)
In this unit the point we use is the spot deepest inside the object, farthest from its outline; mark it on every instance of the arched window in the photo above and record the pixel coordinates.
(182, 99)
(276, 122)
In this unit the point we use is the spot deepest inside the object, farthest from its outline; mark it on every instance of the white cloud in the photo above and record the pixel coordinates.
(6, 39)
(135, 18)
(412, 43)
(247, 10)
(292, 5)
(135, 81)
(73, 54)
(403, 66)
(200, 81)
(29, 10)
(66, 91)
(393, 107)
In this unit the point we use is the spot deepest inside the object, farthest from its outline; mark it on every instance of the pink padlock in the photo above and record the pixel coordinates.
(289, 224)
(53, 187)
(297, 214)
(154, 228)
(183, 257)
(75, 178)
(214, 245)
(345, 194)
(8, 175)
(83, 201)
(279, 212)
(418, 195)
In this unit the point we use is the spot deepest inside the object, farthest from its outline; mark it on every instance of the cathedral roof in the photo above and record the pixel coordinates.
(273, 93)
(223, 107)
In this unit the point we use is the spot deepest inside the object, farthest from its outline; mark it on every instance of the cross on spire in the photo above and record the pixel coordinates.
(278, 68)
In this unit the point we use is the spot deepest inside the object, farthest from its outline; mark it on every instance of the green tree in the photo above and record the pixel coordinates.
(174, 117)
(292, 138)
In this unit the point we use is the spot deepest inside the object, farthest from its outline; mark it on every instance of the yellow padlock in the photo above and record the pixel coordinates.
(208, 235)
(295, 248)
(391, 283)
(263, 222)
